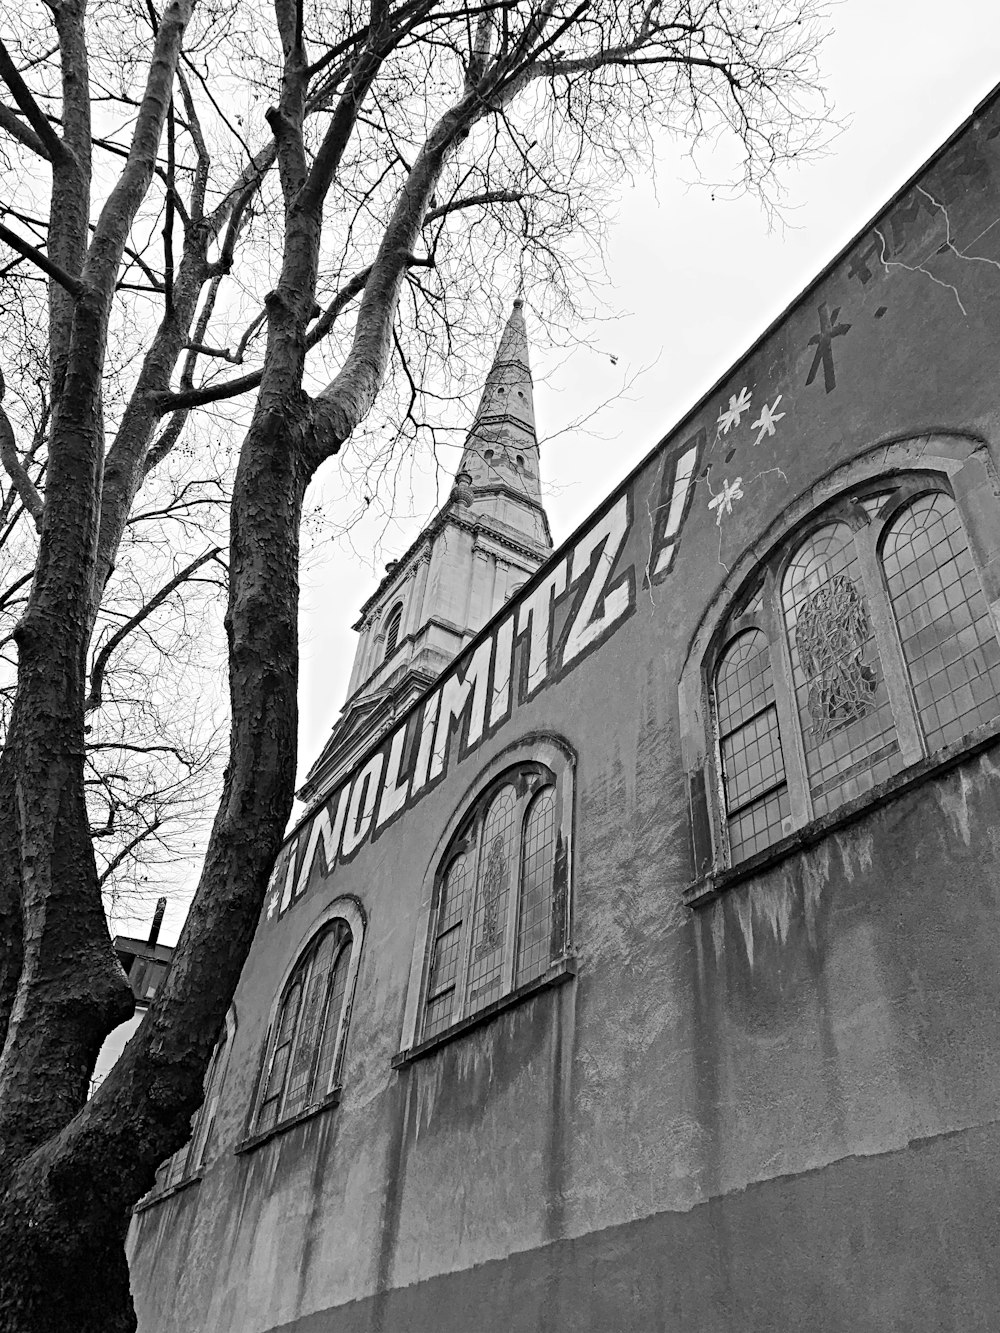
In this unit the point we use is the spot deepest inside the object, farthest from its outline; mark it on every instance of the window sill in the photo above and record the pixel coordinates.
(559, 973)
(252, 1141)
(716, 882)
(151, 1199)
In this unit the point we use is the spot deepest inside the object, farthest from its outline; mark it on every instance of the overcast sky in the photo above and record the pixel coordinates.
(696, 281)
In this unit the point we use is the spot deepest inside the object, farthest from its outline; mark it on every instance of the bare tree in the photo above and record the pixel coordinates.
(154, 742)
(307, 206)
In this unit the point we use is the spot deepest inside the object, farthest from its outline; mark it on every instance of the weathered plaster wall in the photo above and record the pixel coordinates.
(775, 1112)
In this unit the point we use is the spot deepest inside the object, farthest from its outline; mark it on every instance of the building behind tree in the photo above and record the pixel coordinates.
(635, 967)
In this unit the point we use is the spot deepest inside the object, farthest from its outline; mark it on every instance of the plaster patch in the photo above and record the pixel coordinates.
(744, 911)
(718, 927)
(815, 877)
(855, 847)
(428, 1088)
(955, 805)
(773, 901)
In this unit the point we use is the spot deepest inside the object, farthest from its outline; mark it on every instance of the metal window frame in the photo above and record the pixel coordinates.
(529, 778)
(303, 968)
(896, 491)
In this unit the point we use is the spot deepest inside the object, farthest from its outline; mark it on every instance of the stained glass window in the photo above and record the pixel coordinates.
(534, 913)
(498, 921)
(445, 952)
(886, 665)
(848, 730)
(285, 1033)
(308, 1031)
(753, 769)
(945, 628)
(489, 922)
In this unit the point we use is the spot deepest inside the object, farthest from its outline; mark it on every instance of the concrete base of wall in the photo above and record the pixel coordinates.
(903, 1241)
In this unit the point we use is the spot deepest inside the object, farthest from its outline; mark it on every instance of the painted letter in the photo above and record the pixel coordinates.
(364, 790)
(534, 617)
(427, 722)
(502, 663)
(394, 792)
(286, 893)
(455, 703)
(600, 608)
(324, 832)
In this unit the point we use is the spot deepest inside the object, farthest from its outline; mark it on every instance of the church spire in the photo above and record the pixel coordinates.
(501, 451)
(472, 557)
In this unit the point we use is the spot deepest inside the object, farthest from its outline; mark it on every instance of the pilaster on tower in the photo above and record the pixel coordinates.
(486, 540)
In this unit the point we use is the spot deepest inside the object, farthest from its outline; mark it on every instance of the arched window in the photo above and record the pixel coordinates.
(304, 1051)
(392, 631)
(869, 646)
(947, 636)
(840, 690)
(188, 1160)
(500, 915)
(753, 768)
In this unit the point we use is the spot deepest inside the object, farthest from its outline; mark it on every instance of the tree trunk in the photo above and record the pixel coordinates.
(65, 1206)
(71, 991)
(64, 1268)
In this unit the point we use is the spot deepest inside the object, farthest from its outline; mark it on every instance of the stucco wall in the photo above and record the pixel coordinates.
(773, 1112)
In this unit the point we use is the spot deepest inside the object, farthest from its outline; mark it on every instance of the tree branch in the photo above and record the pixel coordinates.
(125, 852)
(99, 668)
(73, 285)
(472, 200)
(23, 97)
(22, 483)
(128, 192)
(10, 122)
(8, 593)
(214, 393)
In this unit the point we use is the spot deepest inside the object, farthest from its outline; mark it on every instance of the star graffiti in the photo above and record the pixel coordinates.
(723, 502)
(731, 416)
(768, 419)
(829, 328)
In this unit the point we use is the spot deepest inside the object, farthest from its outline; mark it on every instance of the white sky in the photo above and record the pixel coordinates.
(696, 281)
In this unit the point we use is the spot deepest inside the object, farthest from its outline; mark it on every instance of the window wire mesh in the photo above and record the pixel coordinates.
(871, 504)
(268, 1113)
(489, 922)
(497, 911)
(300, 1066)
(753, 770)
(333, 1021)
(174, 1169)
(534, 915)
(848, 731)
(444, 961)
(945, 628)
(205, 1119)
(301, 1081)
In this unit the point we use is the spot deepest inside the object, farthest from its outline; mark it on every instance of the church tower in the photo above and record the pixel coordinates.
(482, 545)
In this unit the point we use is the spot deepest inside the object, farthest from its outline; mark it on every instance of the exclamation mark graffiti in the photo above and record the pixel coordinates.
(675, 494)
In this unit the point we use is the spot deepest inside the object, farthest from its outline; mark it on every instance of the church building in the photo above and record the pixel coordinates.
(636, 966)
